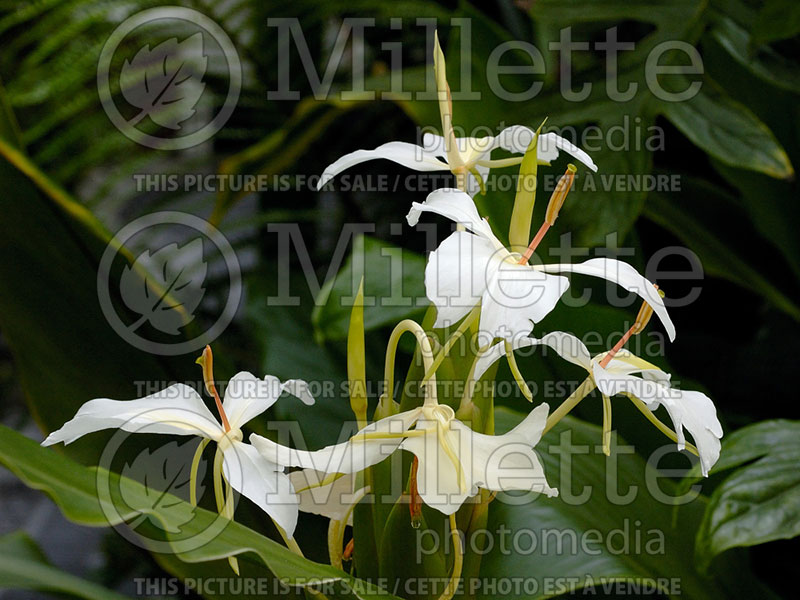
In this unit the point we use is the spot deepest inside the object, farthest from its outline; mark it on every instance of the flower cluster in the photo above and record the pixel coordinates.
(474, 282)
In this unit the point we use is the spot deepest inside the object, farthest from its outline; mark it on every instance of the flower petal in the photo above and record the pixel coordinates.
(516, 298)
(176, 410)
(403, 153)
(624, 275)
(508, 461)
(261, 481)
(332, 500)
(434, 144)
(550, 143)
(457, 206)
(456, 274)
(438, 477)
(517, 138)
(247, 396)
(348, 457)
(299, 389)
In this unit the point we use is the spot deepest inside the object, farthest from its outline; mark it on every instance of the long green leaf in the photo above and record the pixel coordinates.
(74, 488)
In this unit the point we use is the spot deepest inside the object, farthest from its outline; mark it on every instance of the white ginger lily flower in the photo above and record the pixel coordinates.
(473, 267)
(179, 410)
(469, 158)
(629, 375)
(454, 460)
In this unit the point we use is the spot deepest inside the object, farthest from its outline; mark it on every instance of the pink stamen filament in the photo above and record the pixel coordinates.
(537, 239)
(618, 346)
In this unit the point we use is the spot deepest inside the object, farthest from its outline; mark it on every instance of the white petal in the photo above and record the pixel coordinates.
(348, 457)
(299, 389)
(517, 138)
(508, 461)
(176, 410)
(403, 153)
(332, 500)
(247, 396)
(437, 476)
(550, 143)
(457, 206)
(516, 298)
(696, 412)
(624, 275)
(567, 345)
(261, 481)
(569, 348)
(434, 144)
(496, 352)
(455, 276)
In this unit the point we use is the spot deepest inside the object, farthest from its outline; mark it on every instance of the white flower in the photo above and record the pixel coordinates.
(629, 375)
(473, 266)
(463, 156)
(179, 410)
(454, 460)
(473, 153)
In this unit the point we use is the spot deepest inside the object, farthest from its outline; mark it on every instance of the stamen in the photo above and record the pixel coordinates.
(206, 360)
(415, 503)
(349, 549)
(645, 312)
(553, 207)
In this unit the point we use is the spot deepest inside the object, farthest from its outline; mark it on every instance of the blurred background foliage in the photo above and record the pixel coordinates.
(68, 183)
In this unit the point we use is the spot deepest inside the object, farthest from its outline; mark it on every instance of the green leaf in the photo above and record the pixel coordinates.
(763, 62)
(74, 489)
(688, 216)
(593, 530)
(393, 289)
(728, 131)
(23, 566)
(760, 501)
(778, 20)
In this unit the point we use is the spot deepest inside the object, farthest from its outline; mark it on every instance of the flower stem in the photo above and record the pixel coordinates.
(579, 394)
(336, 529)
(448, 345)
(469, 389)
(404, 326)
(458, 561)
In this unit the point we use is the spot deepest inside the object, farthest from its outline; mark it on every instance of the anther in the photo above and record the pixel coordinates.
(557, 199)
(645, 312)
